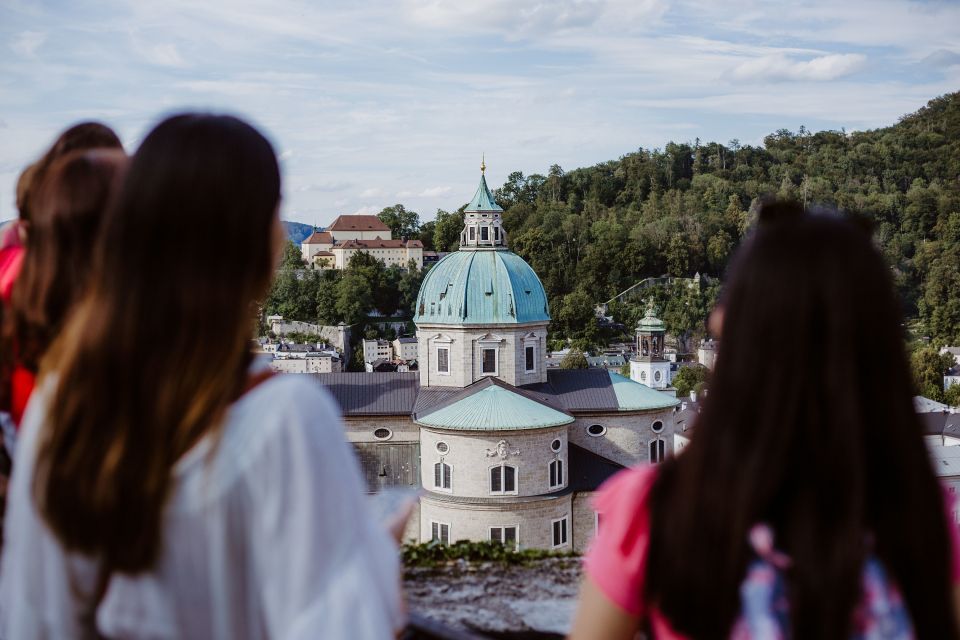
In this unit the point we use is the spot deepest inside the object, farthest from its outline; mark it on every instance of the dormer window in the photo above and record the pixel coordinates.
(496, 233)
(473, 233)
(484, 233)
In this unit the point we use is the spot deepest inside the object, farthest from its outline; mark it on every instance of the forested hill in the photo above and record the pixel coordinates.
(590, 233)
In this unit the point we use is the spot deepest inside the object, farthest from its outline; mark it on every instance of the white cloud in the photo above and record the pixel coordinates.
(435, 192)
(373, 192)
(25, 44)
(942, 58)
(780, 68)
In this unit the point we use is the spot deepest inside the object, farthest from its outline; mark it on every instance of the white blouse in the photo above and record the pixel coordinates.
(270, 537)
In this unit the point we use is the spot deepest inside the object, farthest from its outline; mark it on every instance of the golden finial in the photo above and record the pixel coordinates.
(483, 164)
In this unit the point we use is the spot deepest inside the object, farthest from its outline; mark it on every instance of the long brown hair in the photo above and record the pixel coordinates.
(158, 349)
(809, 426)
(79, 137)
(67, 212)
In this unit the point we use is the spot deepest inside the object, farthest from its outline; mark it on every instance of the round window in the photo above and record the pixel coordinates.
(596, 430)
(643, 376)
(657, 426)
(555, 445)
(442, 447)
(382, 433)
(656, 376)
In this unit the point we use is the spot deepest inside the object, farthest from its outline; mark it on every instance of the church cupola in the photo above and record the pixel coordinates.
(649, 366)
(483, 227)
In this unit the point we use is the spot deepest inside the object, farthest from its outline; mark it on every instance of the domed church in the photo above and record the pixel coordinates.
(503, 448)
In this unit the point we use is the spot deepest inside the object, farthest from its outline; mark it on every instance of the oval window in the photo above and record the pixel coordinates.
(596, 430)
(555, 445)
(657, 426)
(442, 447)
(656, 376)
(382, 434)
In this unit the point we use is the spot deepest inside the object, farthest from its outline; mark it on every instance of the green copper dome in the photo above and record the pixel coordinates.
(481, 287)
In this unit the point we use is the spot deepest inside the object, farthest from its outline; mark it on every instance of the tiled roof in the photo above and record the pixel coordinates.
(360, 394)
(358, 223)
(492, 405)
(323, 253)
(319, 237)
(633, 396)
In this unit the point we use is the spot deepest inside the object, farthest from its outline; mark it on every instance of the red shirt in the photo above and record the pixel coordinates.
(22, 380)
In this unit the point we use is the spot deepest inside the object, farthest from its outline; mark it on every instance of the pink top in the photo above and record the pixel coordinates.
(616, 561)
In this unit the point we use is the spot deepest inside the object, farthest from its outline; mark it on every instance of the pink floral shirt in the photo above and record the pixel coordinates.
(616, 561)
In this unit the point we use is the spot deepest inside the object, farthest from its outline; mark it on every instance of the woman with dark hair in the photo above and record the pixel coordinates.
(67, 212)
(162, 488)
(805, 505)
(79, 137)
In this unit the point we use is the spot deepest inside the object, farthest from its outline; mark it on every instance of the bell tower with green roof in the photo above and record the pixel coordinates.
(483, 227)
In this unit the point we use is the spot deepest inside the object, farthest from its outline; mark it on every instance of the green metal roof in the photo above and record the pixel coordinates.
(483, 199)
(492, 405)
(481, 287)
(651, 324)
(633, 396)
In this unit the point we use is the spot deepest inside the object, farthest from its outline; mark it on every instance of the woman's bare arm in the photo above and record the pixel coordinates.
(599, 618)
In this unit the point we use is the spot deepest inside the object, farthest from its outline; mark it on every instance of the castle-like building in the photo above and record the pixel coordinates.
(348, 235)
(503, 448)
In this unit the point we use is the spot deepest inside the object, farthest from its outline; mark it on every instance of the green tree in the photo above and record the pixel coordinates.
(575, 316)
(402, 223)
(574, 360)
(292, 257)
(688, 378)
(952, 395)
(447, 228)
(928, 367)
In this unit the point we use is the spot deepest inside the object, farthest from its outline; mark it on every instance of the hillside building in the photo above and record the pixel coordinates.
(348, 235)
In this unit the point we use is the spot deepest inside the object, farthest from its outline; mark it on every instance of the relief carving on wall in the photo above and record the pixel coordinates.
(502, 451)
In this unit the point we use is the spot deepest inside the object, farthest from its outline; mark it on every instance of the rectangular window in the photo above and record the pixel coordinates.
(496, 233)
(484, 233)
(443, 360)
(556, 473)
(530, 361)
(489, 361)
(473, 233)
(503, 479)
(441, 475)
(505, 535)
(440, 532)
(656, 450)
(560, 532)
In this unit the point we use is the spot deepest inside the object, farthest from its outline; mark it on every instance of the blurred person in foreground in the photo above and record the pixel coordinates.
(68, 209)
(15, 235)
(805, 505)
(163, 489)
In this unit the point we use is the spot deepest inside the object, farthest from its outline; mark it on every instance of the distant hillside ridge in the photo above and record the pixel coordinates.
(297, 231)
(683, 209)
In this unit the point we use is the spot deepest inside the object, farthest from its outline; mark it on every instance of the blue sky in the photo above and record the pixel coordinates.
(378, 102)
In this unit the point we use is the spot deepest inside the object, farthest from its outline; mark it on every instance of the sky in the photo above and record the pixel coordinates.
(379, 102)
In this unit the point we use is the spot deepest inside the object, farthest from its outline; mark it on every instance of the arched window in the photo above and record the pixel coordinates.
(657, 450)
(442, 476)
(556, 473)
(503, 479)
(643, 376)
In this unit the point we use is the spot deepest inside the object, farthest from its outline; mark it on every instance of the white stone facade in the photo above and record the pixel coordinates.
(653, 373)
(472, 456)
(626, 438)
(313, 363)
(464, 348)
